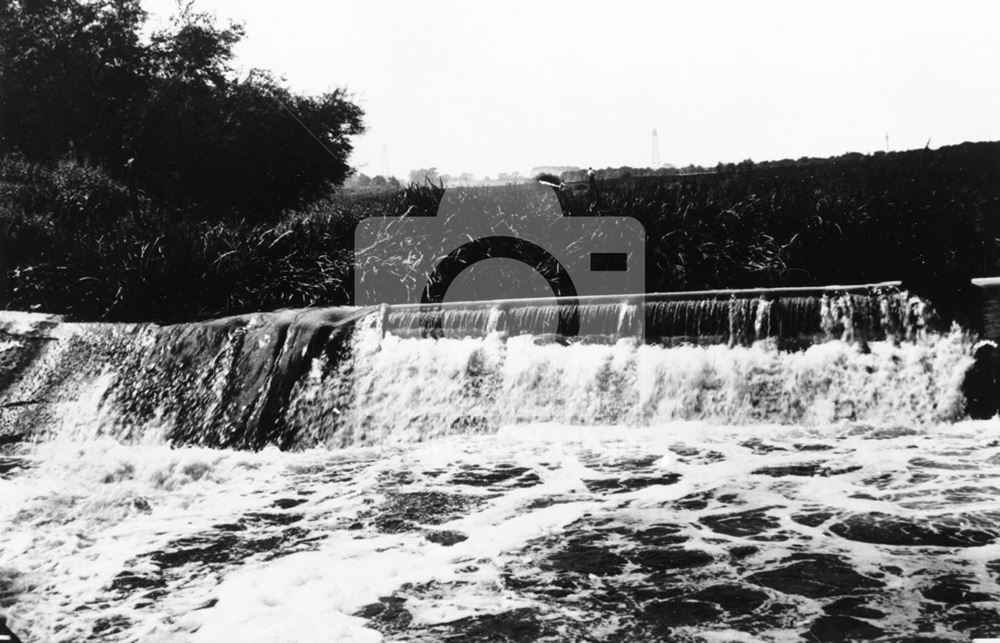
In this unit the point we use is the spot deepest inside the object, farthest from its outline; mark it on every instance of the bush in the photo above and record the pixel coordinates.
(66, 191)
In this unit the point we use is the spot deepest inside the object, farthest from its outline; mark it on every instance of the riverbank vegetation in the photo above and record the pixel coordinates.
(143, 178)
(74, 240)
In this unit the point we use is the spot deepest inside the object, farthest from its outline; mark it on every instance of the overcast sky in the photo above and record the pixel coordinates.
(487, 87)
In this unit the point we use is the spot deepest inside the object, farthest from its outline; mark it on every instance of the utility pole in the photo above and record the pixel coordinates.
(656, 150)
(384, 162)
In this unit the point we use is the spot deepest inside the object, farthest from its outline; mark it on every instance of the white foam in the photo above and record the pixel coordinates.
(71, 523)
(408, 390)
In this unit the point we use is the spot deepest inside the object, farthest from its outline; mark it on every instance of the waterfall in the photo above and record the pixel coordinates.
(341, 377)
(411, 390)
(733, 317)
(220, 383)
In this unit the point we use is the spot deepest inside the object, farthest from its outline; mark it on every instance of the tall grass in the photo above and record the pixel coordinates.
(74, 242)
(135, 260)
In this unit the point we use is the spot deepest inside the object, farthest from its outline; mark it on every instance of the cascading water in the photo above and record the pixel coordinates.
(796, 320)
(763, 466)
(348, 378)
(407, 390)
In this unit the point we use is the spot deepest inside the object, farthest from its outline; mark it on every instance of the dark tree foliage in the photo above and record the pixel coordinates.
(72, 75)
(167, 117)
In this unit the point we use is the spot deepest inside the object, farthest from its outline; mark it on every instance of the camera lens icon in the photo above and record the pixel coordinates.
(509, 244)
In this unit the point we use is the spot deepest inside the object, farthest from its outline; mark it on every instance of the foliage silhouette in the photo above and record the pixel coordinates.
(168, 117)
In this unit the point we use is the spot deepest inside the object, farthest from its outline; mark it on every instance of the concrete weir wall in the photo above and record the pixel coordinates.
(982, 384)
(219, 383)
(989, 289)
(793, 316)
(341, 377)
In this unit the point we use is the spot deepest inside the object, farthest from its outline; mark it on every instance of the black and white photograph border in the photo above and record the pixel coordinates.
(485, 322)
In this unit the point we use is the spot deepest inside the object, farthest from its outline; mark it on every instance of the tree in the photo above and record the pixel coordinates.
(170, 115)
(72, 73)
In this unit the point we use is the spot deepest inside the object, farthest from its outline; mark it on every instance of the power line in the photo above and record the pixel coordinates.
(305, 127)
(384, 162)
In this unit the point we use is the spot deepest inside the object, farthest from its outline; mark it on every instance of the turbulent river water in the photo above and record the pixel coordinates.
(491, 489)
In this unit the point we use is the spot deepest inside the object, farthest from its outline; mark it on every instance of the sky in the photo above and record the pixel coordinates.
(488, 87)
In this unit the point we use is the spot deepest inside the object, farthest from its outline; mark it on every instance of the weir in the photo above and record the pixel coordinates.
(341, 377)
(794, 316)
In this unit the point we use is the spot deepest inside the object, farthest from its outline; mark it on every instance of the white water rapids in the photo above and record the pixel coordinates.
(485, 489)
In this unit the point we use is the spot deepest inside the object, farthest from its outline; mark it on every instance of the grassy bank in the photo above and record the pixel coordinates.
(74, 241)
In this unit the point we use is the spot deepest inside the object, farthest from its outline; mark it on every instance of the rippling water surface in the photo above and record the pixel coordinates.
(681, 531)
